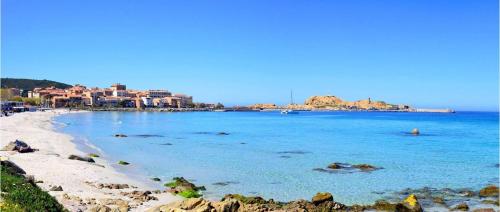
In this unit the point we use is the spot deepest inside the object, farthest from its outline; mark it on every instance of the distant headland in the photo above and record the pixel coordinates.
(334, 103)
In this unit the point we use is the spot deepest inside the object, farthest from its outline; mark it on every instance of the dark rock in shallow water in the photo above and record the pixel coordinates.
(298, 152)
(415, 131)
(365, 167)
(120, 135)
(86, 159)
(225, 183)
(222, 133)
(123, 163)
(489, 191)
(285, 156)
(148, 136)
(466, 193)
(155, 179)
(166, 144)
(337, 165)
(439, 200)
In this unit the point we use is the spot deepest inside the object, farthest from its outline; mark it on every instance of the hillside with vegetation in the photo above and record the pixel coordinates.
(30, 84)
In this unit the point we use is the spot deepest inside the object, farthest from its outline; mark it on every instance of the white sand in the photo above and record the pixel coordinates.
(51, 164)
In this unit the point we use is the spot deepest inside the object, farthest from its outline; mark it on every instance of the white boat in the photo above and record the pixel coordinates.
(290, 111)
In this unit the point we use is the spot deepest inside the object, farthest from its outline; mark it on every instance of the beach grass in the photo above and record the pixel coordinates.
(20, 195)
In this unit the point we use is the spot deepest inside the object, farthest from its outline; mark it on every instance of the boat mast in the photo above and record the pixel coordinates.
(291, 97)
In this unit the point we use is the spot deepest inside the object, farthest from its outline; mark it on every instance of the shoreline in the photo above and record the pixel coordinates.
(40, 131)
(78, 179)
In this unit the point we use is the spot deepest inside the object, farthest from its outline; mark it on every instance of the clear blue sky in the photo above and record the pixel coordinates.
(428, 53)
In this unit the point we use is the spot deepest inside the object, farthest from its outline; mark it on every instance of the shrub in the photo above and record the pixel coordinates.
(20, 195)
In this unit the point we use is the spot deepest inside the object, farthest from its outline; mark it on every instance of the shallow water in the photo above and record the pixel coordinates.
(273, 155)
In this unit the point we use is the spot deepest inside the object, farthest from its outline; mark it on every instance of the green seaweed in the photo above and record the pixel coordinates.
(189, 193)
(93, 155)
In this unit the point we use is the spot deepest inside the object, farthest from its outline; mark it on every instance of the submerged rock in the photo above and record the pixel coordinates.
(222, 133)
(224, 183)
(489, 191)
(321, 197)
(18, 146)
(120, 135)
(365, 167)
(336, 166)
(156, 179)
(82, 158)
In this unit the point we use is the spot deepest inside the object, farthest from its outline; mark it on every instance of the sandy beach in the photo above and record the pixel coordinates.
(78, 179)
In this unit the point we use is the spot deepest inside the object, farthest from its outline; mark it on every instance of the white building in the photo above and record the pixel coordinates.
(147, 101)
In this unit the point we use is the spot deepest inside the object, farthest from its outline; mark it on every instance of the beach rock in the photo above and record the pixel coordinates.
(193, 204)
(489, 191)
(100, 208)
(55, 188)
(120, 135)
(383, 205)
(230, 205)
(245, 199)
(122, 205)
(461, 207)
(82, 158)
(415, 131)
(18, 146)
(321, 197)
(141, 196)
(409, 204)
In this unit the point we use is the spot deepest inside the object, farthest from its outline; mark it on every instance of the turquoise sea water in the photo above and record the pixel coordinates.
(273, 155)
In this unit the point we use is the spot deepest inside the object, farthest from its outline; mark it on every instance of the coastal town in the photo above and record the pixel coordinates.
(115, 96)
(118, 97)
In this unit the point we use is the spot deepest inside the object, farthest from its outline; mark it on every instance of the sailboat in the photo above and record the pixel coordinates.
(290, 111)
